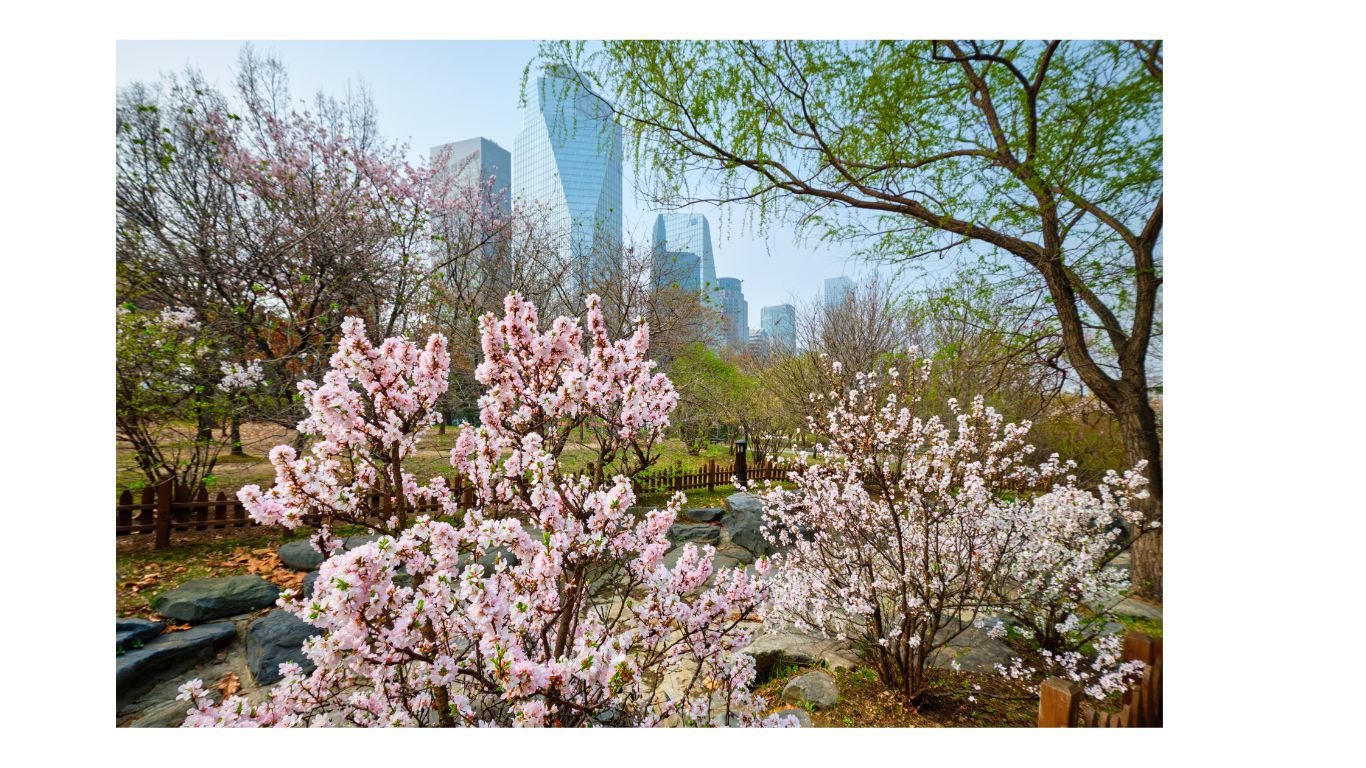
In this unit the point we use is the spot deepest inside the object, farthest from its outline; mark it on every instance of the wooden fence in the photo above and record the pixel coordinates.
(1060, 699)
(710, 476)
(170, 506)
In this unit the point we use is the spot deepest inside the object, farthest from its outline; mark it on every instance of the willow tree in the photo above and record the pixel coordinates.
(1030, 161)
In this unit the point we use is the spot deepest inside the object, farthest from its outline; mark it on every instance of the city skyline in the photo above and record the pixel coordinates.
(476, 94)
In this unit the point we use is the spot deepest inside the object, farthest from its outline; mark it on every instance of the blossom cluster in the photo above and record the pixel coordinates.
(238, 377)
(903, 530)
(549, 602)
(366, 418)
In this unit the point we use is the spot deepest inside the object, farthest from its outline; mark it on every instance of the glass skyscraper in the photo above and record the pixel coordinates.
(837, 291)
(569, 160)
(780, 323)
(481, 164)
(735, 312)
(683, 254)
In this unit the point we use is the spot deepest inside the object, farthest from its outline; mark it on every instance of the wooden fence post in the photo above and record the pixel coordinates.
(162, 520)
(1059, 699)
(742, 476)
(711, 475)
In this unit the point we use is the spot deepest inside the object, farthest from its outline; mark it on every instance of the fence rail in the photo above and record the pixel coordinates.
(1060, 704)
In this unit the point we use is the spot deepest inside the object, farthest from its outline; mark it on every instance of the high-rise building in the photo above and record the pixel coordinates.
(779, 322)
(837, 291)
(569, 160)
(684, 239)
(760, 344)
(481, 166)
(682, 270)
(734, 312)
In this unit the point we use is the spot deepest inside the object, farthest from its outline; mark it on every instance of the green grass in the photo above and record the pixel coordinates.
(1150, 627)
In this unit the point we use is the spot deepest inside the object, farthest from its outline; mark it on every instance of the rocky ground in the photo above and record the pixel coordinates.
(227, 632)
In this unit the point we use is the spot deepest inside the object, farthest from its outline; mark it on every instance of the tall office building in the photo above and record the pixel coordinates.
(460, 167)
(569, 160)
(779, 322)
(680, 270)
(760, 344)
(734, 312)
(837, 291)
(682, 241)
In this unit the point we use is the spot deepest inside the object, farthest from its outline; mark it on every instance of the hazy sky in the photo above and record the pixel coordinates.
(430, 93)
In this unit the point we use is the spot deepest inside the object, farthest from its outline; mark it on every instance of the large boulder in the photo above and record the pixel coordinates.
(743, 503)
(301, 555)
(774, 649)
(803, 717)
(166, 656)
(274, 639)
(1140, 609)
(697, 534)
(309, 580)
(130, 634)
(817, 688)
(704, 514)
(205, 599)
(971, 650)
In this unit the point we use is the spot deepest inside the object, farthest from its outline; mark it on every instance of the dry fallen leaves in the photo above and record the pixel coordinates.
(264, 563)
(228, 684)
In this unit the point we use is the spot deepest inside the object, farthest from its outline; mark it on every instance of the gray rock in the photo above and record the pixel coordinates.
(276, 638)
(359, 540)
(739, 555)
(704, 514)
(205, 599)
(168, 714)
(803, 717)
(300, 555)
(972, 649)
(130, 634)
(817, 688)
(697, 534)
(167, 656)
(771, 650)
(1141, 609)
(743, 503)
(309, 581)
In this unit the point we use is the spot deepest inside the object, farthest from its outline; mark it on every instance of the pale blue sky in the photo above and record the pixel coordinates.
(432, 92)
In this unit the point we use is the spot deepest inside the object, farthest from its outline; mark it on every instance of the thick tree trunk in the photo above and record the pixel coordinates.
(1138, 428)
(205, 427)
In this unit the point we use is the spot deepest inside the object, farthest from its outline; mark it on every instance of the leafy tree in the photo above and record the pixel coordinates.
(1037, 163)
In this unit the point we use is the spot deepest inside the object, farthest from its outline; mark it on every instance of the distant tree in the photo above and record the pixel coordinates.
(1042, 160)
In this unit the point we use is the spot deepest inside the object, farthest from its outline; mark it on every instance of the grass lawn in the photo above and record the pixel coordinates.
(432, 458)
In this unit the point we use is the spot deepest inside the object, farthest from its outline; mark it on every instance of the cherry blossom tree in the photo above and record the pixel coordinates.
(548, 604)
(905, 531)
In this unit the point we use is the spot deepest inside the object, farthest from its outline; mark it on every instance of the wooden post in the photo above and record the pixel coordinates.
(1059, 699)
(162, 518)
(741, 474)
(711, 475)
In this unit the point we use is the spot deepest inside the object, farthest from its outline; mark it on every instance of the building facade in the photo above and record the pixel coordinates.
(734, 312)
(779, 323)
(838, 290)
(477, 166)
(569, 161)
(684, 240)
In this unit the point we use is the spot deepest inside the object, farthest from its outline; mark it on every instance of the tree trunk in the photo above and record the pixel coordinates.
(1138, 429)
(236, 429)
(205, 426)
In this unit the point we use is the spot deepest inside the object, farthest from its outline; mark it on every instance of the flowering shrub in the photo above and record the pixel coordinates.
(547, 604)
(906, 531)
(171, 387)
(1059, 590)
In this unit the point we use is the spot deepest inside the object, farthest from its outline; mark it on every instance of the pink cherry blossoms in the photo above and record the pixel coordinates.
(549, 603)
(366, 418)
